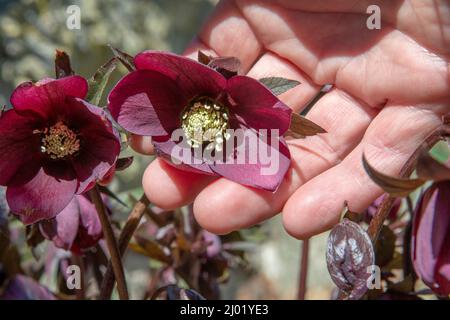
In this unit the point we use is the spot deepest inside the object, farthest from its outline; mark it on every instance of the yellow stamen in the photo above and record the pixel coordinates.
(204, 121)
(59, 141)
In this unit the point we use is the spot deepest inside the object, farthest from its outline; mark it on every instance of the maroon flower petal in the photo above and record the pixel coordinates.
(39, 97)
(170, 151)
(89, 217)
(431, 230)
(90, 231)
(20, 148)
(257, 106)
(95, 160)
(254, 174)
(63, 229)
(147, 103)
(41, 198)
(80, 115)
(192, 77)
(59, 169)
(443, 269)
(100, 146)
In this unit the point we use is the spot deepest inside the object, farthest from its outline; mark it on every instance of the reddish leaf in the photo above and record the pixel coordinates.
(151, 249)
(203, 58)
(124, 58)
(279, 85)
(62, 64)
(227, 66)
(123, 163)
(301, 127)
(396, 187)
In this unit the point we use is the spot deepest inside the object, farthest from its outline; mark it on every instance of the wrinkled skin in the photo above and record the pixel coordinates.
(391, 88)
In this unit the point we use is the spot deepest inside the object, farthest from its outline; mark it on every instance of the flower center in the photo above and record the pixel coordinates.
(59, 141)
(205, 121)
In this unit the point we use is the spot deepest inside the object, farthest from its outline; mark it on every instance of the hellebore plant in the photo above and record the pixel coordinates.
(169, 92)
(54, 145)
(59, 151)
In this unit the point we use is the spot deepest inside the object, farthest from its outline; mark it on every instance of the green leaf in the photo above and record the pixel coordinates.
(98, 81)
(441, 151)
(126, 59)
(62, 64)
(279, 85)
(396, 187)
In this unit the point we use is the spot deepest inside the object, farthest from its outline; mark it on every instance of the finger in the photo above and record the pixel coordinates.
(389, 141)
(142, 144)
(225, 206)
(227, 33)
(168, 187)
(338, 48)
(270, 65)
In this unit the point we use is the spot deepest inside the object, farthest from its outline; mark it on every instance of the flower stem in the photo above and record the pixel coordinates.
(303, 277)
(124, 239)
(111, 243)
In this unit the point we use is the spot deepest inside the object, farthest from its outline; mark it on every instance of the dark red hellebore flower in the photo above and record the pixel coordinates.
(53, 145)
(169, 92)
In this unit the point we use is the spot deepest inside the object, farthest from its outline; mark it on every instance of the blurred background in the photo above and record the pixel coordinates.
(30, 31)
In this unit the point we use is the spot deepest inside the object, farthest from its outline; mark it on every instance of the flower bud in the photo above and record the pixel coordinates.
(349, 255)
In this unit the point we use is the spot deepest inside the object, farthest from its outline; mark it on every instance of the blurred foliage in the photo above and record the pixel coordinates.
(31, 30)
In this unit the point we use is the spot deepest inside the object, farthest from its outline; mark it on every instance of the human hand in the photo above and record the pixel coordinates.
(391, 88)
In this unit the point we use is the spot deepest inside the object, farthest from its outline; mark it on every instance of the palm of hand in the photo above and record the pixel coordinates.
(391, 88)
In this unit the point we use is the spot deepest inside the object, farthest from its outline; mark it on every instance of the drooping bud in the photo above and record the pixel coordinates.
(350, 256)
